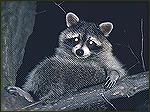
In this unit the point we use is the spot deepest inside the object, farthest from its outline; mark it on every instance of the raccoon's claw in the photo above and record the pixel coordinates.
(109, 83)
(16, 90)
(111, 79)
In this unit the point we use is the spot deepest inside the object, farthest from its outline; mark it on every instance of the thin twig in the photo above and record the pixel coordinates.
(61, 3)
(137, 59)
(103, 96)
(142, 47)
(60, 6)
(55, 4)
(41, 12)
(133, 54)
(132, 66)
(33, 104)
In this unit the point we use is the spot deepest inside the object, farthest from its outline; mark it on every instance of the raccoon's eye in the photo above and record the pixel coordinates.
(76, 39)
(92, 43)
(72, 41)
(93, 46)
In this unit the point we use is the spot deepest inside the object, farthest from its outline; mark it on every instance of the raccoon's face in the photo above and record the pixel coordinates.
(82, 45)
(85, 39)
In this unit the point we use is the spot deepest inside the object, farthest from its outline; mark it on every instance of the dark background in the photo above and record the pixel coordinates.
(126, 17)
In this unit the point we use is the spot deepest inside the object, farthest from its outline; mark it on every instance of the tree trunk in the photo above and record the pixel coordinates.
(17, 25)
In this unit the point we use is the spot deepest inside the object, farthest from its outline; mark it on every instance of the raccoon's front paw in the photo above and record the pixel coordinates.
(18, 91)
(111, 79)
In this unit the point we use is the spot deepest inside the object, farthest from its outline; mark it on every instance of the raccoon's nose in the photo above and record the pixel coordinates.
(79, 52)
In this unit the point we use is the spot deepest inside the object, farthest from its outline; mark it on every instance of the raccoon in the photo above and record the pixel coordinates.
(84, 58)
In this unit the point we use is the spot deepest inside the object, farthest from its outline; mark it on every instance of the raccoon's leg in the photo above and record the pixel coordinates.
(17, 90)
(112, 77)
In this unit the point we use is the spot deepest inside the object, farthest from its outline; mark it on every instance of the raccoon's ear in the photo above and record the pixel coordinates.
(106, 28)
(71, 19)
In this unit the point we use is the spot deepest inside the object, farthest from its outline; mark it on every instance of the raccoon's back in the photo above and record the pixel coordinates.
(61, 75)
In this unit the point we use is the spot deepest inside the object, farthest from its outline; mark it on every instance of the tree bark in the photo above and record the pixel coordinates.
(17, 25)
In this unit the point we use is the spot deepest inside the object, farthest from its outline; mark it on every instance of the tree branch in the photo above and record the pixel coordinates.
(126, 87)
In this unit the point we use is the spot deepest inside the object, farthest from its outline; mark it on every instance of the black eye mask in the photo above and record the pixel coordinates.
(72, 41)
(93, 46)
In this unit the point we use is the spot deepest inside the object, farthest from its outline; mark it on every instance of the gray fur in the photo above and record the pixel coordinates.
(65, 72)
(62, 74)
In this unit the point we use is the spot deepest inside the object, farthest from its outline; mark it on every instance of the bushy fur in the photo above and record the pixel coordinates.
(60, 74)
(65, 72)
